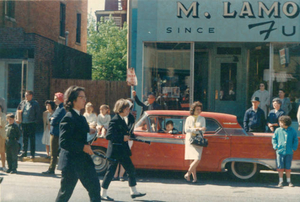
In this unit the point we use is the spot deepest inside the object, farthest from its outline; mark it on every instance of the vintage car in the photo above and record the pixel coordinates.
(229, 148)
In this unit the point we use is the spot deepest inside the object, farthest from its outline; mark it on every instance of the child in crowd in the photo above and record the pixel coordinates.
(103, 120)
(90, 115)
(13, 134)
(170, 128)
(285, 142)
(2, 137)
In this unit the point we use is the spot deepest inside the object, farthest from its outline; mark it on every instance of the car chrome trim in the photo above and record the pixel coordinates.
(269, 163)
(162, 140)
(229, 123)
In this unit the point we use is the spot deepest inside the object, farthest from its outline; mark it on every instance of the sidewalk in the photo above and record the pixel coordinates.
(40, 149)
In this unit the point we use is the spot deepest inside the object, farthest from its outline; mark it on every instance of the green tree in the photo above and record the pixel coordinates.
(107, 43)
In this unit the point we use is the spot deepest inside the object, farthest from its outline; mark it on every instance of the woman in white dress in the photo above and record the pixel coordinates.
(50, 107)
(193, 125)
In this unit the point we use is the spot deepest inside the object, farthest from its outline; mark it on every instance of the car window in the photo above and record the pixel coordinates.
(142, 124)
(212, 125)
(158, 124)
(154, 124)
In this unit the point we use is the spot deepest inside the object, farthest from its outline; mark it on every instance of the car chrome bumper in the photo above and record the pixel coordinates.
(269, 163)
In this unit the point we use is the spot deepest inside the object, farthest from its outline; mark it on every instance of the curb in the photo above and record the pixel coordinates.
(36, 159)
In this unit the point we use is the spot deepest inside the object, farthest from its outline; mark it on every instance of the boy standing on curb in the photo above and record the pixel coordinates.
(285, 142)
(13, 134)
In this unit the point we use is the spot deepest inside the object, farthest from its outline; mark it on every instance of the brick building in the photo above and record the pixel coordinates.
(41, 40)
(116, 8)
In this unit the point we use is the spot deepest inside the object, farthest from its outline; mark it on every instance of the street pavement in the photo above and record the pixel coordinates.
(29, 185)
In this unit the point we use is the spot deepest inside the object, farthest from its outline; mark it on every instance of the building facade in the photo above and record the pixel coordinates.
(117, 9)
(216, 52)
(41, 40)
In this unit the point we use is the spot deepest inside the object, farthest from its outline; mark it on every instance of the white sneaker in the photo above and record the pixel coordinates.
(4, 169)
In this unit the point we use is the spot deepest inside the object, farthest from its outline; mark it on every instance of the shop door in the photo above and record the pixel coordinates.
(230, 88)
(17, 78)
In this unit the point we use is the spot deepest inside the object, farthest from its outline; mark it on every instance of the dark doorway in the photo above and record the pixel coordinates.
(201, 77)
(14, 85)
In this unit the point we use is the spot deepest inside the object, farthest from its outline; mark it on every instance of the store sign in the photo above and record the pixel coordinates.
(131, 77)
(284, 56)
(264, 13)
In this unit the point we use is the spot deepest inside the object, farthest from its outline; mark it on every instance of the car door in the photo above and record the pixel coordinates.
(166, 150)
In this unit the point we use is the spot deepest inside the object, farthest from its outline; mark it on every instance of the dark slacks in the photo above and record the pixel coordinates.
(128, 166)
(29, 132)
(54, 144)
(89, 179)
(12, 150)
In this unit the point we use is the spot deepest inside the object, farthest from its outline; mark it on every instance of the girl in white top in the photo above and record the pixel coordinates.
(89, 114)
(193, 125)
(103, 120)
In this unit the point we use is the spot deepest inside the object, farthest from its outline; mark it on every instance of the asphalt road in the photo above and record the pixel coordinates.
(29, 185)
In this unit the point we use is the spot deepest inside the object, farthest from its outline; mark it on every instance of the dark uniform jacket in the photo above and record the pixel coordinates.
(72, 138)
(117, 129)
(13, 133)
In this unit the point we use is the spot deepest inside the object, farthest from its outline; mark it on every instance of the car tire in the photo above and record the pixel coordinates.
(101, 164)
(243, 170)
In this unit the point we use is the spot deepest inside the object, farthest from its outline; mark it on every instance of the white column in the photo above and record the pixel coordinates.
(30, 75)
(3, 80)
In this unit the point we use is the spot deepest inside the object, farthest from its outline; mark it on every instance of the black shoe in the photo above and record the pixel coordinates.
(13, 172)
(1, 179)
(138, 195)
(48, 172)
(8, 170)
(23, 154)
(107, 199)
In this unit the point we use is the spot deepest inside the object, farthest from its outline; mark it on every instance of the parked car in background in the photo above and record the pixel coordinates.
(230, 148)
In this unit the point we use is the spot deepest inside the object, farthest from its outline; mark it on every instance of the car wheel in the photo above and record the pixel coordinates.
(101, 164)
(243, 170)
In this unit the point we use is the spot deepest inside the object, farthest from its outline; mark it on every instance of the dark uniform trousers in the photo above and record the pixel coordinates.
(54, 144)
(12, 150)
(126, 162)
(29, 132)
(88, 177)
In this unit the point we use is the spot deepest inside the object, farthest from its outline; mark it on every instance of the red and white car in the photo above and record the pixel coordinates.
(230, 148)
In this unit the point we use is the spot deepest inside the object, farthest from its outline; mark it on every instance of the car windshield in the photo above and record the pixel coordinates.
(142, 124)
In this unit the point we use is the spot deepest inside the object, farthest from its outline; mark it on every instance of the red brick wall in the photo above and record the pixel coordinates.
(42, 17)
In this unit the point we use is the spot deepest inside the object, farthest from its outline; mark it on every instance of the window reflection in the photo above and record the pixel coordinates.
(167, 73)
(228, 81)
(286, 74)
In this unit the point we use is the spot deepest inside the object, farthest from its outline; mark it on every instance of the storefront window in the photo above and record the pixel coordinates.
(286, 76)
(228, 81)
(167, 73)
